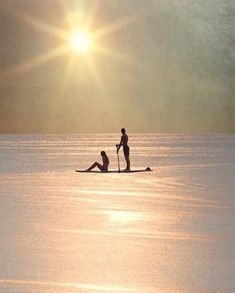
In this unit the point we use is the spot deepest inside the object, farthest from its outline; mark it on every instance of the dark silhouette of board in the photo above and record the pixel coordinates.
(115, 171)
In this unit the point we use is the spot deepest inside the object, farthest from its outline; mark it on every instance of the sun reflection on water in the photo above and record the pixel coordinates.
(89, 287)
(125, 216)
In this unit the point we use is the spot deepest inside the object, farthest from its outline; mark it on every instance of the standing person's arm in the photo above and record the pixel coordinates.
(120, 144)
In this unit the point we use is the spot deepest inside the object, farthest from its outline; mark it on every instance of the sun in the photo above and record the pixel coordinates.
(78, 37)
(80, 41)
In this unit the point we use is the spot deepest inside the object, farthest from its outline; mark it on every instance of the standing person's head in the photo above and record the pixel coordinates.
(103, 154)
(123, 130)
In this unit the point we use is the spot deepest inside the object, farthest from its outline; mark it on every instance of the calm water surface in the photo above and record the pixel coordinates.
(171, 230)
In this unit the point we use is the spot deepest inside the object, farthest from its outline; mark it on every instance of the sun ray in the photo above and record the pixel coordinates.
(77, 15)
(115, 54)
(39, 24)
(36, 61)
(117, 25)
(94, 72)
(71, 65)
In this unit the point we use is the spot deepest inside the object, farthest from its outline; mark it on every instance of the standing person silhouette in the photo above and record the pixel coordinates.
(126, 149)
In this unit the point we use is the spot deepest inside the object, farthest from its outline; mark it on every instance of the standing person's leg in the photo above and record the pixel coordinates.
(127, 158)
(127, 162)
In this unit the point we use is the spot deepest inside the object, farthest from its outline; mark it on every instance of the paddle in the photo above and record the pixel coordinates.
(117, 147)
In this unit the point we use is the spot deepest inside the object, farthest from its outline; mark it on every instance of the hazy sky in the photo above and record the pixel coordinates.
(159, 66)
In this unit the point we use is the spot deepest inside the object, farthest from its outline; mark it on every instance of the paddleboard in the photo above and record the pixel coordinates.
(115, 171)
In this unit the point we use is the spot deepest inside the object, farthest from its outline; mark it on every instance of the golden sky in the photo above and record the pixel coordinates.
(72, 66)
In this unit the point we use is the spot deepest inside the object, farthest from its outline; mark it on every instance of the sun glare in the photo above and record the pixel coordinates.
(80, 42)
(77, 38)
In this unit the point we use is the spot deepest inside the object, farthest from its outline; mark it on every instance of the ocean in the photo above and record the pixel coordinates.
(170, 230)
